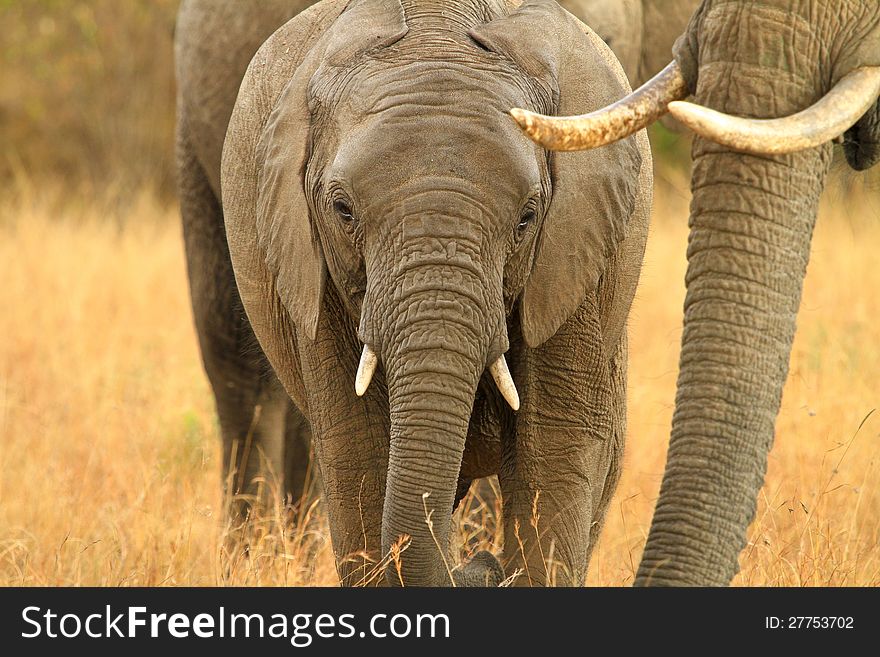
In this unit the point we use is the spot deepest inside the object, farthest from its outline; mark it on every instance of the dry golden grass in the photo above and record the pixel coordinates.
(109, 455)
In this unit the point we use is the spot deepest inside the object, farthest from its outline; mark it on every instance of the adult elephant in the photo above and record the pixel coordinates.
(377, 205)
(756, 186)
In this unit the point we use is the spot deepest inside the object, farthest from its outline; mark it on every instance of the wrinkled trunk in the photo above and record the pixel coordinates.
(751, 224)
(434, 350)
(431, 394)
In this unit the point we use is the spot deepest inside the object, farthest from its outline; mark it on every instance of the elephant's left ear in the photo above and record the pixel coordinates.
(594, 192)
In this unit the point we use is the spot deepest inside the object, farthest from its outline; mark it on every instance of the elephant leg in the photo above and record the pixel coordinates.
(351, 444)
(560, 462)
(251, 404)
(353, 457)
(548, 508)
(252, 427)
(301, 482)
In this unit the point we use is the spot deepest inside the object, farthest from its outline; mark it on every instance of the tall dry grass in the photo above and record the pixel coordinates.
(109, 454)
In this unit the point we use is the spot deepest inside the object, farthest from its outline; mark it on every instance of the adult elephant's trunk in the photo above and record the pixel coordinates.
(751, 224)
(444, 326)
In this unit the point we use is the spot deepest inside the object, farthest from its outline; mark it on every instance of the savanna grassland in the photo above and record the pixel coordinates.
(109, 448)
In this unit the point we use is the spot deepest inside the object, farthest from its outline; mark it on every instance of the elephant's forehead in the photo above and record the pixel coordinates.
(453, 109)
(431, 120)
(448, 87)
(417, 139)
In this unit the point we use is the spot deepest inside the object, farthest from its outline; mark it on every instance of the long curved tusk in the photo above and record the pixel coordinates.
(610, 124)
(829, 118)
(504, 381)
(365, 371)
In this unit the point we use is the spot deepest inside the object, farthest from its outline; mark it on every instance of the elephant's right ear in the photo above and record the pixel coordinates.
(274, 245)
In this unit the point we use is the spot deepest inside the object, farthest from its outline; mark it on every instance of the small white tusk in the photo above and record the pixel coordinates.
(504, 381)
(366, 369)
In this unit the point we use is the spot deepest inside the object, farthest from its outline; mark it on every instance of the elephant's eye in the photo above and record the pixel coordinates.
(526, 219)
(343, 211)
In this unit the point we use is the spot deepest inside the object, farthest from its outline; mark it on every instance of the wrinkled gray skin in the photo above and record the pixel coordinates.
(751, 224)
(374, 191)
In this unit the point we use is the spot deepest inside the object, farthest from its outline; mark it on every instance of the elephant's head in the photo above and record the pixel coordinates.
(797, 73)
(375, 156)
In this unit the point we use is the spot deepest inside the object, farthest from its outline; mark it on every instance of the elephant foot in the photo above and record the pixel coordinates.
(482, 570)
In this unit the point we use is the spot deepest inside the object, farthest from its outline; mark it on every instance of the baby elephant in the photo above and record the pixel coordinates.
(441, 299)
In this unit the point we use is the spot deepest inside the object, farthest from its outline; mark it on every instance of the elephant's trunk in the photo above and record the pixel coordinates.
(443, 331)
(751, 225)
(431, 392)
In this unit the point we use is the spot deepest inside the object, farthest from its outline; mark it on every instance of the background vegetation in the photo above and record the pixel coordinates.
(87, 93)
(109, 447)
